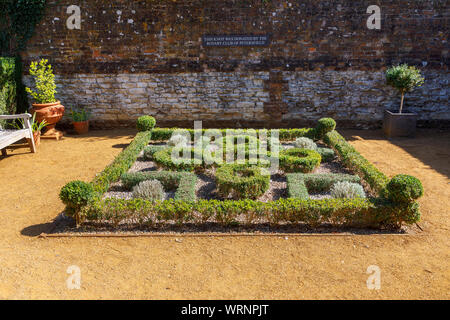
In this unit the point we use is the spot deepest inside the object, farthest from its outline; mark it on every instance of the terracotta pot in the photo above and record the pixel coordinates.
(81, 127)
(51, 113)
(36, 138)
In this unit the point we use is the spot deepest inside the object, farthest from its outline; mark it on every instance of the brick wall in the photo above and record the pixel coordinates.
(146, 57)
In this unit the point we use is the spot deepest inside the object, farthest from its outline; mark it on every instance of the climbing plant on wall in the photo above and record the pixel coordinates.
(17, 23)
(18, 19)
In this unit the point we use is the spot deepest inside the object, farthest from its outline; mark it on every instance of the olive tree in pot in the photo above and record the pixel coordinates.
(404, 78)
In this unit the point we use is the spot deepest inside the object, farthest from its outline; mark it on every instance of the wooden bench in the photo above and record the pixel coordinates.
(8, 137)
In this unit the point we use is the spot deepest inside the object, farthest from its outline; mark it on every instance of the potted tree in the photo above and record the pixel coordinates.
(46, 107)
(404, 78)
(80, 120)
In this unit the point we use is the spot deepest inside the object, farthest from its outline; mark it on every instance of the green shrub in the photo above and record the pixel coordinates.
(183, 183)
(186, 188)
(299, 160)
(327, 154)
(241, 181)
(149, 151)
(305, 143)
(8, 87)
(145, 123)
(164, 159)
(80, 115)
(177, 140)
(75, 195)
(322, 182)
(353, 160)
(44, 82)
(352, 212)
(164, 134)
(404, 188)
(296, 186)
(345, 189)
(404, 78)
(324, 126)
(149, 190)
(122, 163)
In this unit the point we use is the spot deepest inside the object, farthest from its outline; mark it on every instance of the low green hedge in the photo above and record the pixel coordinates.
(169, 179)
(299, 160)
(149, 151)
(182, 182)
(164, 134)
(321, 182)
(351, 212)
(353, 160)
(299, 185)
(327, 154)
(186, 188)
(163, 157)
(296, 187)
(241, 181)
(122, 163)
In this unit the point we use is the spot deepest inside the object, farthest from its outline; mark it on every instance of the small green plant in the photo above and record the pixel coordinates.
(80, 115)
(404, 78)
(35, 126)
(44, 82)
(404, 188)
(75, 195)
(178, 140)
(305, 143)
(145, 123)
(149, 190)
(349, 190)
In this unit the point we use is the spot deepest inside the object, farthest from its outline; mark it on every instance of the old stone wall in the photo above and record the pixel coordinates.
(131, 58)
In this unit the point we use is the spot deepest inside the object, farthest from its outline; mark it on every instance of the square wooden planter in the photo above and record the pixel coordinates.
(399, 124)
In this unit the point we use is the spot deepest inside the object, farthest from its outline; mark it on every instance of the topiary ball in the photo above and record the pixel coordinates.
(76, 194)
(145, 123)
(324, 126)
(404, 188)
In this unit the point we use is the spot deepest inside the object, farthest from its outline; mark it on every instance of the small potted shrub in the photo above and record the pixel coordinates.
(45, 106)
(404, 78)
(80, 120)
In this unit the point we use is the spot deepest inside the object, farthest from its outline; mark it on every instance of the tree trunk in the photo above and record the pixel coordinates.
(401, 104)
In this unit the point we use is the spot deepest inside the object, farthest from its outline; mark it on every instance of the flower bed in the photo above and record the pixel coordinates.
(387, 203)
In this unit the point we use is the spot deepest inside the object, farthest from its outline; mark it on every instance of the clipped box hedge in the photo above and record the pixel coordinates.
(376, 211)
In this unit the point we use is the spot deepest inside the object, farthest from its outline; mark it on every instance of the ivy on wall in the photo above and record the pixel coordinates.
(18, 19)
(17, 23)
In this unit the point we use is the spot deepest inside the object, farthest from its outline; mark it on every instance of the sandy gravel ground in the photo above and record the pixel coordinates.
(199, 267)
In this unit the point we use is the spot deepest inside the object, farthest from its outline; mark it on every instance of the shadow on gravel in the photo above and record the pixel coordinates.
(431, 146)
